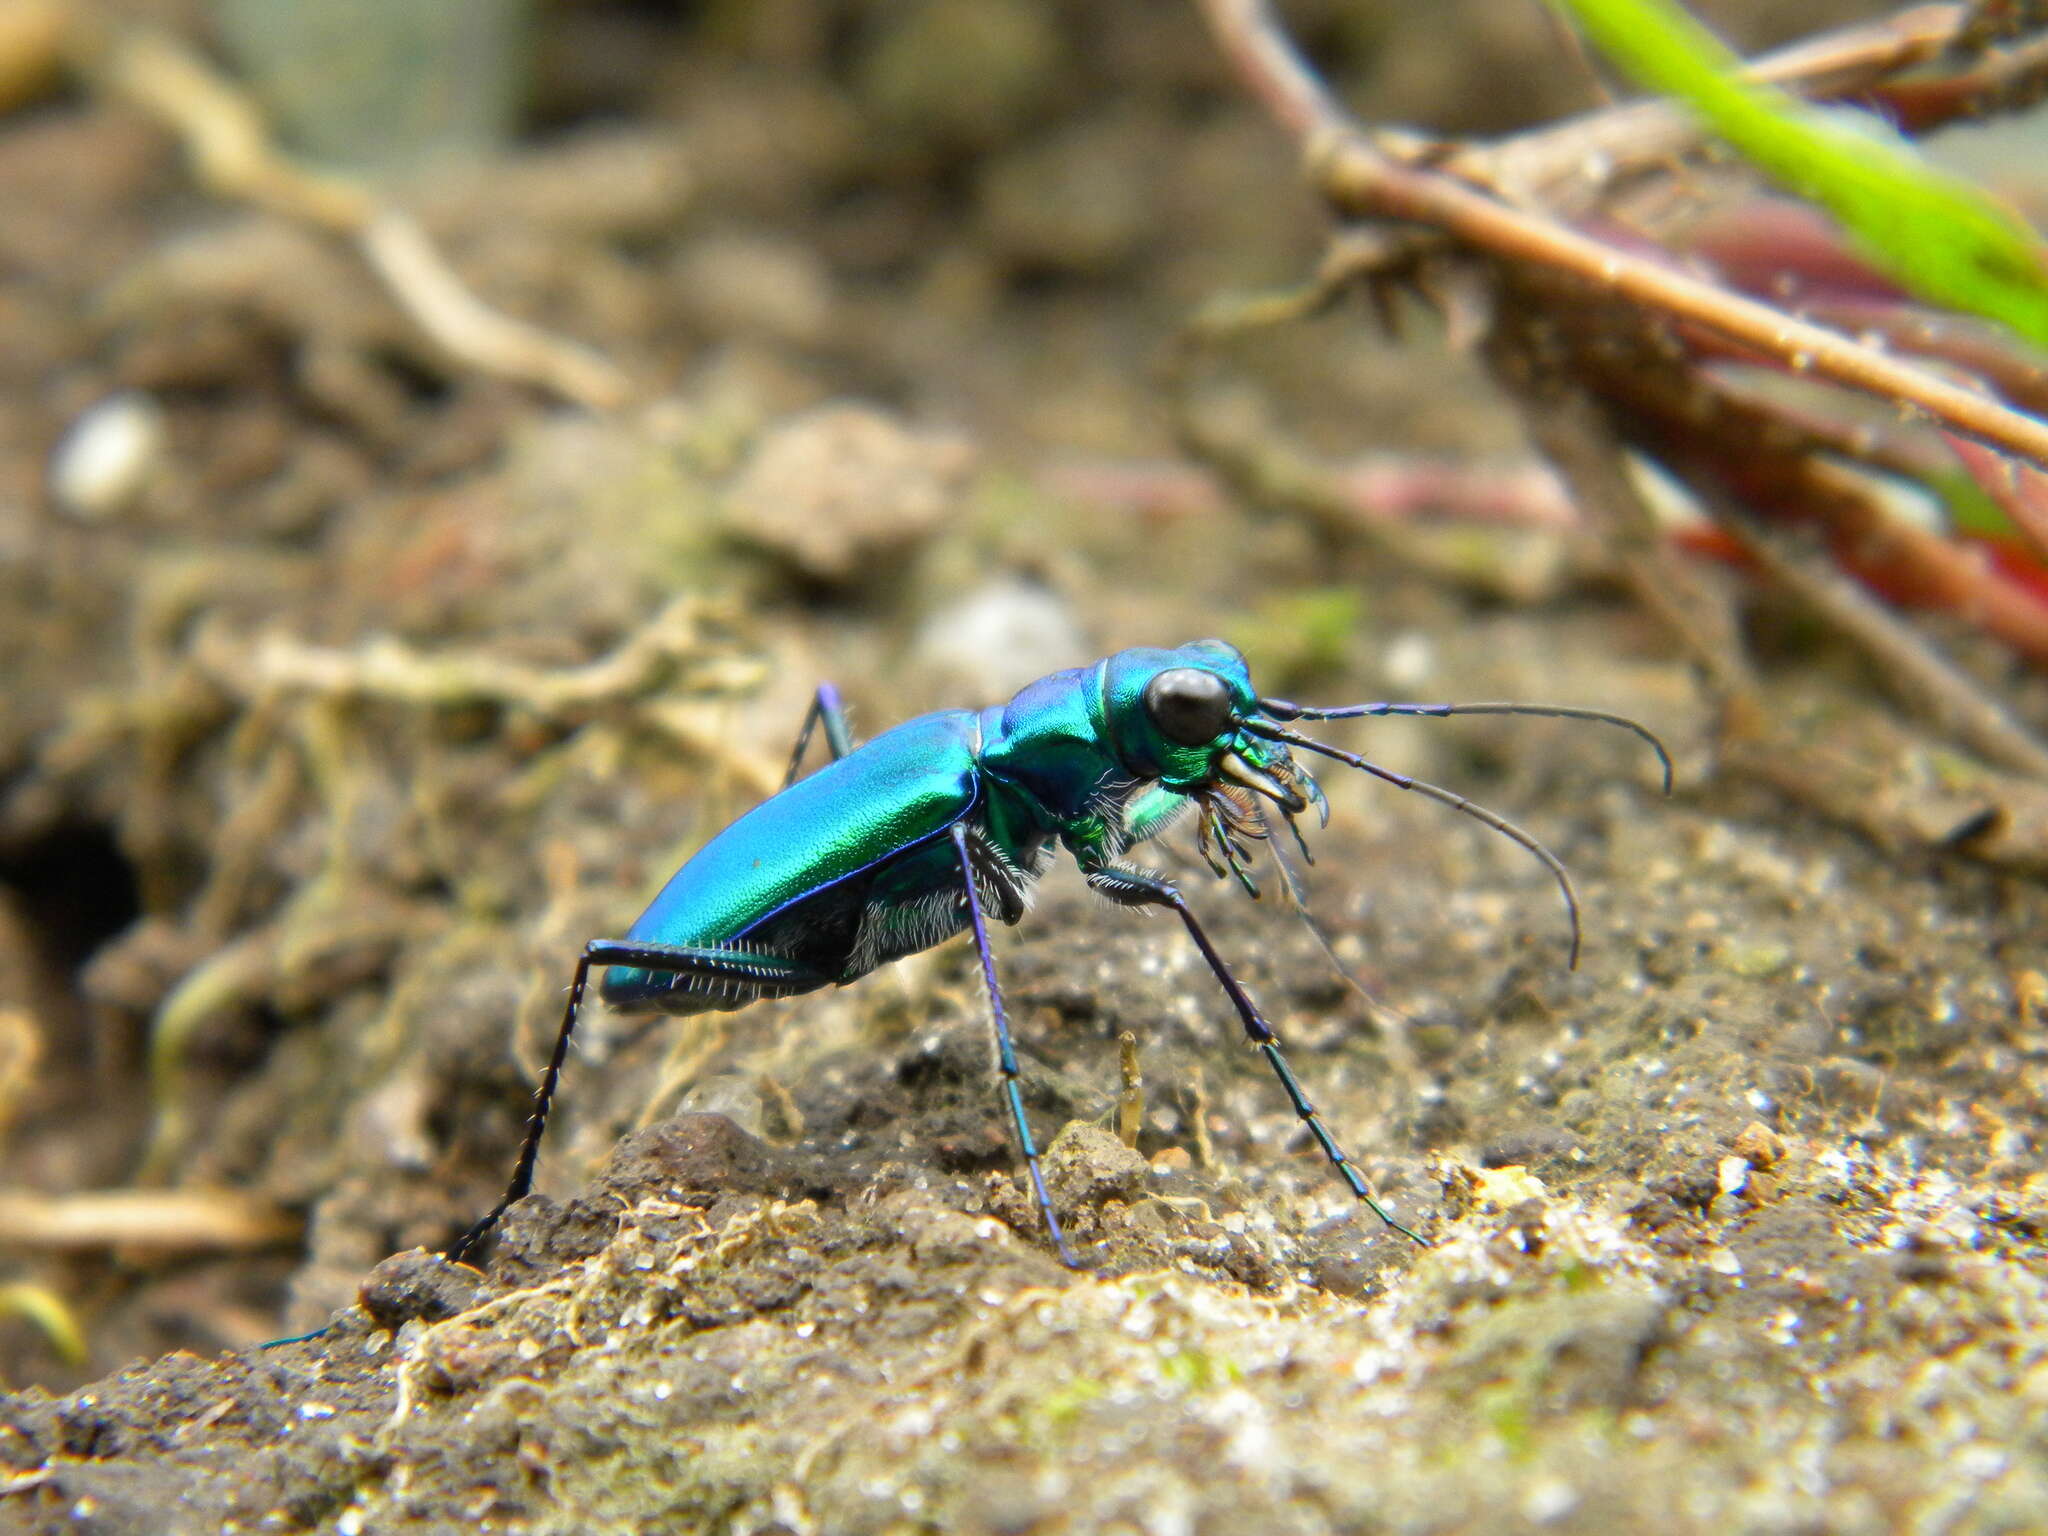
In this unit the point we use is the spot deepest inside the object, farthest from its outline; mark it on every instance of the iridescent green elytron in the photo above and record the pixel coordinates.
(922, 833)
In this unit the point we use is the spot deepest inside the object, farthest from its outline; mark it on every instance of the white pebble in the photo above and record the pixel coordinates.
(104, 459)
(1000, 636)
(1409, 660)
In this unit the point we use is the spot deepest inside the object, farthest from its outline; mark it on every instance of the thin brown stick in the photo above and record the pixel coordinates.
(1357, 178)
(1699, 424)
(174, 1219)
(1782, 468)
(1928, 681)
(1198, 1119)
(1266, 62)
(1571, 431)
(1570, 166)
(1851, 61)
(1130, 1103)
(419, 277)
(1972, 345)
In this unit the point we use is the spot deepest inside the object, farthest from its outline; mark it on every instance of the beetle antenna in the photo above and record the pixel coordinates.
(1391, 1022)
(1291, 884)
(1442, 796)
(1282, 709)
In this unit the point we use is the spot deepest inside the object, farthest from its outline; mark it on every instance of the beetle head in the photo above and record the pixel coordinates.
(1180, 717)
(1174, 712)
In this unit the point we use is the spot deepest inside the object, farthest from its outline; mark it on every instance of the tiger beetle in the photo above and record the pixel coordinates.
(929, 829)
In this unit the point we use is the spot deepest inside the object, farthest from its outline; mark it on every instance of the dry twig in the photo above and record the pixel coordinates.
(172, 1220)
(1922, 677)
(1359, 179)
(390, 670)
(1570, 430)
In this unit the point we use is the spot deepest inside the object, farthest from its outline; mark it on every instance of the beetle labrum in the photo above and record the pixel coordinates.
(928, 829)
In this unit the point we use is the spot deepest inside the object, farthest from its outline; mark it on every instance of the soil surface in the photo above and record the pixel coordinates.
(378, 688)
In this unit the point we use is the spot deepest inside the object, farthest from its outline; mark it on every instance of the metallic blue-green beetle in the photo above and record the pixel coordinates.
(921, 833)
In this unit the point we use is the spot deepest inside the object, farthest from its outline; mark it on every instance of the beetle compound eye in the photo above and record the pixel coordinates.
(1191, 707)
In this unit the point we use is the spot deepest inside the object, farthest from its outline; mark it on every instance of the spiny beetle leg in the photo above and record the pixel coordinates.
(1136, 888)
(666, 959)
(1006, 1055)
(827, 707)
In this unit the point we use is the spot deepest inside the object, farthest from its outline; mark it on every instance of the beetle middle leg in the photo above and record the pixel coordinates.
(740, 970)
(1137, 888)
(1006, 1054)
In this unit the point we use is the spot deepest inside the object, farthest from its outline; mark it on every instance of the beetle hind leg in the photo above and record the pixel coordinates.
(828, 710)
(751, 976)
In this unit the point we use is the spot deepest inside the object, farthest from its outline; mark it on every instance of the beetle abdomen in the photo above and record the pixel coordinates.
(742, 976)
(793, 879)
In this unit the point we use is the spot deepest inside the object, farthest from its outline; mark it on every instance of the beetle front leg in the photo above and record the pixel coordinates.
(1130, 887)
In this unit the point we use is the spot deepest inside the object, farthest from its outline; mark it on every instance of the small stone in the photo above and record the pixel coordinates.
(102, 463)
(1548, 1499)
(1087, 1166)
(1732, 1173)
(845, 489)
(693, 1157)
(1758, 962)
(1502, 1189)
(1759, 1145)
(1000, 636)
(419, 1284)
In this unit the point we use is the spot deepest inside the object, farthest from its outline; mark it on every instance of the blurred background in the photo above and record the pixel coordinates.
(442, 446)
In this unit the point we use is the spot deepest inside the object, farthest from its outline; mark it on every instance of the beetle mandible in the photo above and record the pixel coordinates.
(927, 830)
